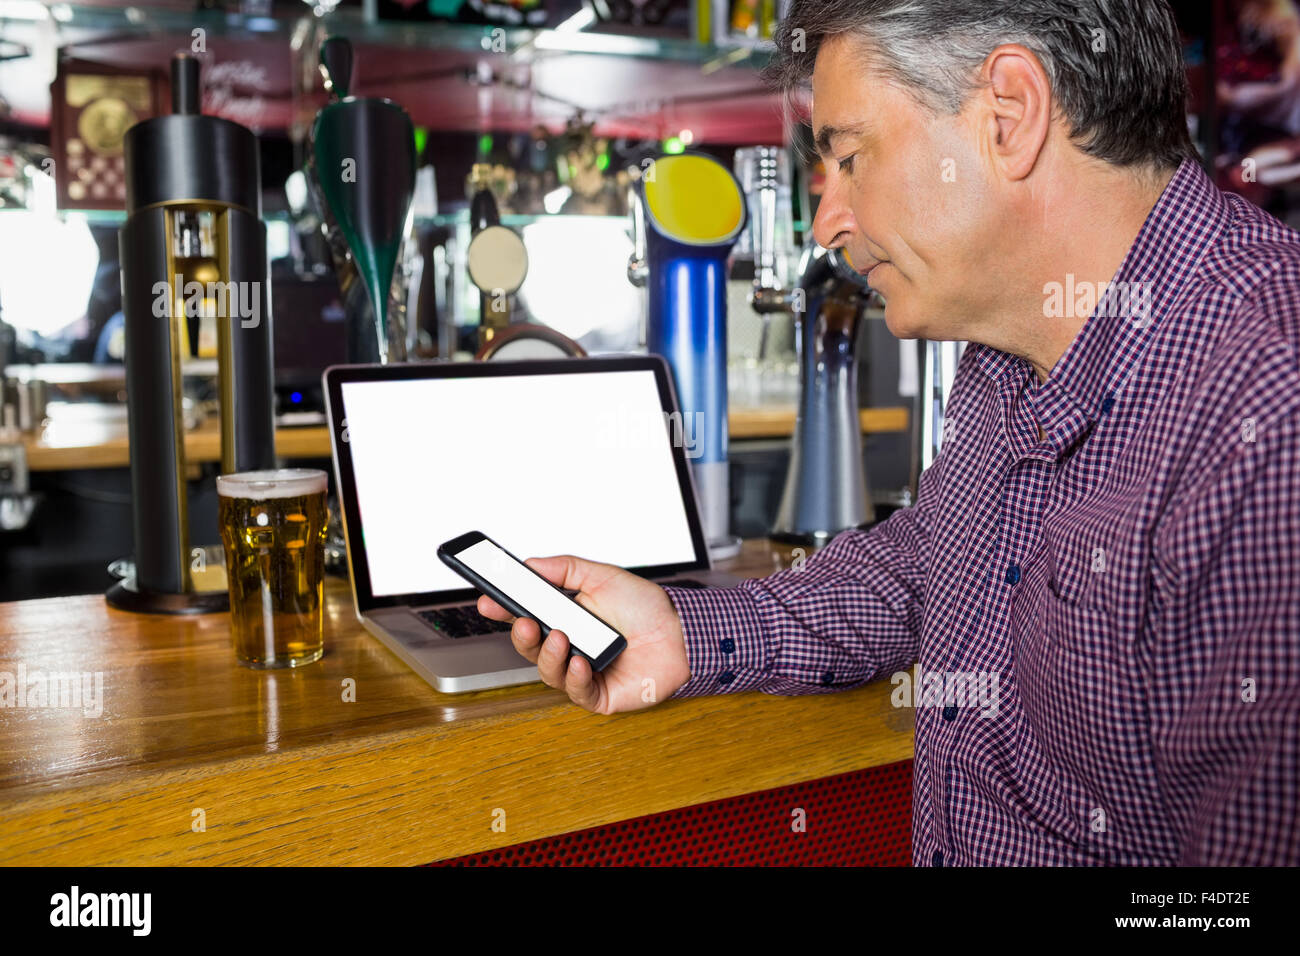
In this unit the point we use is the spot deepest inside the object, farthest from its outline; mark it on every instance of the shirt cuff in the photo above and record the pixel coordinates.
(726, 647)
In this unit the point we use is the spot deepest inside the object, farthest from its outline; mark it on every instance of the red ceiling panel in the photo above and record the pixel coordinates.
(247, 78)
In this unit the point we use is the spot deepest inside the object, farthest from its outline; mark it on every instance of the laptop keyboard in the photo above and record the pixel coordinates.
(464, 620)
(461, 621)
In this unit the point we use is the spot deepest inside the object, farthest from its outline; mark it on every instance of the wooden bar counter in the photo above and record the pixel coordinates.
(196, 760)
(75, 445)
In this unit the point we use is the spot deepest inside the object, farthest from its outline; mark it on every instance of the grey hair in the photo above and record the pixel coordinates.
(1125, 104)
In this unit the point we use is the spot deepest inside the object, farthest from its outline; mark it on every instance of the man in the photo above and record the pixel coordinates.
(1110, 537)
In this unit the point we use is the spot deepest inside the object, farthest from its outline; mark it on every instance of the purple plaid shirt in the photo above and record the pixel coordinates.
(1107, 621)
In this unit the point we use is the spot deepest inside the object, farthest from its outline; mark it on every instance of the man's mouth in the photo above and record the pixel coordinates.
(865, 273)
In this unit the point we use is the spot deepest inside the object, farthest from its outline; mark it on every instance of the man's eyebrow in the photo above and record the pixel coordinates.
(828, 133)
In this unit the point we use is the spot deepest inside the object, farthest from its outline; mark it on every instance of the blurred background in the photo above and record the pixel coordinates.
(551, 105)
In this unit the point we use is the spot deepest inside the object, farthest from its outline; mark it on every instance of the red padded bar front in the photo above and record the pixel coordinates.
(863, 818)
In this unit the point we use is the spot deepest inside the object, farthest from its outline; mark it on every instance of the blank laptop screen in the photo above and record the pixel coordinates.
(576, 463)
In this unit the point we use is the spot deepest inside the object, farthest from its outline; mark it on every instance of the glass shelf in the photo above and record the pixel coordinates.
(455, 218)
(74, 21)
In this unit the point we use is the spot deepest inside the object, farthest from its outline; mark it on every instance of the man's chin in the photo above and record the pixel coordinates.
(901, 324)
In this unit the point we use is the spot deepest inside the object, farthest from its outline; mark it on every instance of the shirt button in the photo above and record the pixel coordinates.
(726, 677)
(828, 678)
(1107, 404)
(1013, 573)
(728, 645)
(937, 859)
(950, 713)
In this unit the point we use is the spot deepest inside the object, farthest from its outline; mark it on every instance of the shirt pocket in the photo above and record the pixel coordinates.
(1077, 559)
(1064, 643)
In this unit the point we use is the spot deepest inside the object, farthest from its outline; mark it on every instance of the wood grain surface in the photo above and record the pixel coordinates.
(284, 771)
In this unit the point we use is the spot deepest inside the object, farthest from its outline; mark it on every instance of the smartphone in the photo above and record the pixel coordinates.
(525, 593)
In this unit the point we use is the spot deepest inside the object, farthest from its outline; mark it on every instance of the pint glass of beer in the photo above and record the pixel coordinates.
(273, 528)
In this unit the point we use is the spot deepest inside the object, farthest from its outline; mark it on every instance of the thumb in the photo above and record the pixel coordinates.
(570, 572)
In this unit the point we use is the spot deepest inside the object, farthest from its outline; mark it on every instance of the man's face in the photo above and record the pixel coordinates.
(905, 198)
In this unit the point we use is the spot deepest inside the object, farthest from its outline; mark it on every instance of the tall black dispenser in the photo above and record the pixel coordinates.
(193, 249)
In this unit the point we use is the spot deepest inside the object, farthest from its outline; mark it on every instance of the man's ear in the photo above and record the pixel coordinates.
(1016, 109)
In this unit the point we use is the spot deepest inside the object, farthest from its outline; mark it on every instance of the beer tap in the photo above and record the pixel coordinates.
(16, 503)
(193, 241)
(638, 269)
(361, 167)
(826, 489)
(826, 485)
(693, 211)
(765, 168)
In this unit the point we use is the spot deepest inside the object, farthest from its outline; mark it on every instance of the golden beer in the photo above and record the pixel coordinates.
(273, 526)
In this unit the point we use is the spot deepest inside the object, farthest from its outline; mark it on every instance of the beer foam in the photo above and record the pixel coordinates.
(276, 483)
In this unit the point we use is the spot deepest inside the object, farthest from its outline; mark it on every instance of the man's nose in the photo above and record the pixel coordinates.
(834, 217)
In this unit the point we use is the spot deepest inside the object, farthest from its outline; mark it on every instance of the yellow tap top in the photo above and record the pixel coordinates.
(693, 199)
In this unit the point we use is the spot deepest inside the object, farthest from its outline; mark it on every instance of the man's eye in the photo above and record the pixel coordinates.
(846, 164)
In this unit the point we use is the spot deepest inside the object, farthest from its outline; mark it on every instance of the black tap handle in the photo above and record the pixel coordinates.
(185, 84)
(483, 211)
(336, 62)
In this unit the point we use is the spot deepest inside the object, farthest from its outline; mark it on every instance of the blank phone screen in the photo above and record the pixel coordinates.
(544, 603)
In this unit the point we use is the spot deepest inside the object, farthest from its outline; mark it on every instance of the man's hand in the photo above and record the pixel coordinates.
(652, 666)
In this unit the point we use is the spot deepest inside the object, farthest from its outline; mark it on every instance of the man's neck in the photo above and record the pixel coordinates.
(1096, 213)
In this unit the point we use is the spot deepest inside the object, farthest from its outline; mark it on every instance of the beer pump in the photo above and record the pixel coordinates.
(361, 167)
(496, 259)
(193, 252)
(690, 210)
(826, 485)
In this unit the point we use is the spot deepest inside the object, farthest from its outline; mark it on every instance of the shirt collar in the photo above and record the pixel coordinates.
(1189, 216)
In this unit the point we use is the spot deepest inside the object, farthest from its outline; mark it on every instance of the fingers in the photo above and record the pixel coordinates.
(571, 675)
(549, 656)
(526, 636)
(491, 609)
(580, 683)
(553, 660)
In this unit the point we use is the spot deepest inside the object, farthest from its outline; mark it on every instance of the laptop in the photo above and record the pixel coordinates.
(585, 456)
